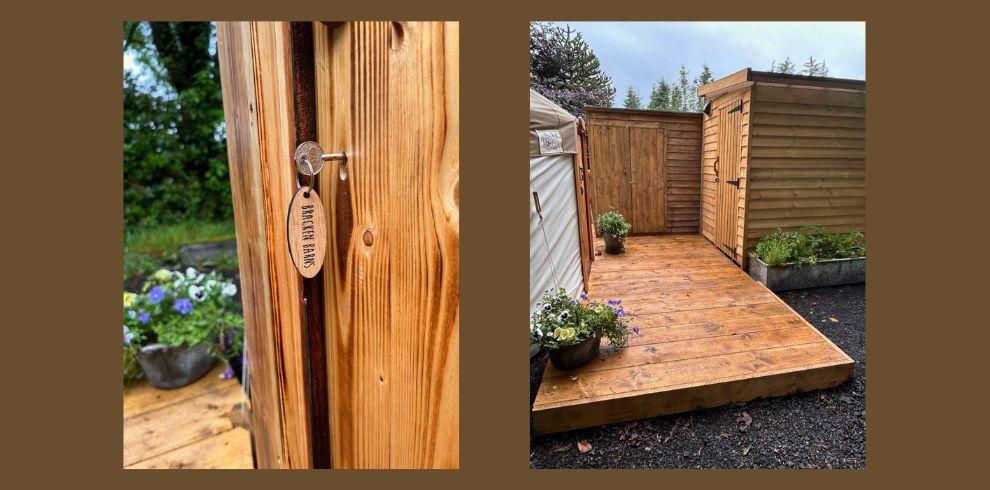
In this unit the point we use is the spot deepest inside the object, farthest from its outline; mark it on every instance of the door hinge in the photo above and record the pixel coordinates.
(733, 182)
(736, 109)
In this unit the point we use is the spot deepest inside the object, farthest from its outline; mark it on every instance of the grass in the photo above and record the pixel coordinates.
(147, 249)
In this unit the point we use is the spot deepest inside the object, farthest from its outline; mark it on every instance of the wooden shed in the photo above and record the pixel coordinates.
(781, 151)
(645, 165)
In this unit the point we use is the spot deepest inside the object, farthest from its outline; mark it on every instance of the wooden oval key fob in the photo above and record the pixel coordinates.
(306, 231)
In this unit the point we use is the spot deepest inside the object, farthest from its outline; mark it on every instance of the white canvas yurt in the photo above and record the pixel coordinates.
(554, 239)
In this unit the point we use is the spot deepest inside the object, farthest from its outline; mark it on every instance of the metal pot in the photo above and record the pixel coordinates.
(613, 245)
(168, 367)
(577, 355)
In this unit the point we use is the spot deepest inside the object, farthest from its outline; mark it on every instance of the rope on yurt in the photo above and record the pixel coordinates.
(546, 240)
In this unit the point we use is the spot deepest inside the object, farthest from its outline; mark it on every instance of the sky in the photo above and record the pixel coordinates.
(639, 53)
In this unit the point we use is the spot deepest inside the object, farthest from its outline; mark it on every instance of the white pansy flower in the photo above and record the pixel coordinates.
(211, 283)
(197, 293)
(229, 289)
(191, 273)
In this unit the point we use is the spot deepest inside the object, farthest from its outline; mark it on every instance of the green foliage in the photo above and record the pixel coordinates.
(812, 244)
(687, 98)
(705, 77)
(786, 67)
(175, 154)
(632, 100)
(815, 68)
(614, 224)
(560, 321)
(149, 248)
(132, 370)
(660, 96)
(184, 309)
(563, 67)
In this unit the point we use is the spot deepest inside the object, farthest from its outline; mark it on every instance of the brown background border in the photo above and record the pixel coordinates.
(63, 212)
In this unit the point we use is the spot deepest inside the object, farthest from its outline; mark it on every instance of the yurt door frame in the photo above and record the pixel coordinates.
(730, 118)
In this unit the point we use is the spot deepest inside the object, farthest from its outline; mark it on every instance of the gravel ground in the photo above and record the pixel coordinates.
(819, 429)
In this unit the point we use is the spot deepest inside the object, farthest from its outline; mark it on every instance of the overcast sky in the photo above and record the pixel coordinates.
(639, 53)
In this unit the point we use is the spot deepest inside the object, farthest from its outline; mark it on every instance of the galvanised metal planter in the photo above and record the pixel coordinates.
(832, 272)
(577, 355)
(613, 245)
(168, 367)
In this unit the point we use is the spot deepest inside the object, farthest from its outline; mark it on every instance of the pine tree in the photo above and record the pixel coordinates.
(563, 67)
(684, 86)
(676, 98)
(660, 96)
(704, 78)
(812, 68)
(786, 66)
(824, 70)
(632, 100)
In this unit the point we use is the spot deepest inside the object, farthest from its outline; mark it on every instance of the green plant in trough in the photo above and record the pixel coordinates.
(614, 224)
(808, 246)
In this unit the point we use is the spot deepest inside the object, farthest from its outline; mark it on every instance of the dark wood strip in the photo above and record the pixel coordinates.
(304, 105)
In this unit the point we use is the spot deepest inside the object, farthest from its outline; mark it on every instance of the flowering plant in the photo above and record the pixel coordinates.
(184, 309)
(560, 321)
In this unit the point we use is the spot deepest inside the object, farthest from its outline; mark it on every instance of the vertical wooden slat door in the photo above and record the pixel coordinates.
(647, 188)
(387, 94)
(727, 194)
(609, 148)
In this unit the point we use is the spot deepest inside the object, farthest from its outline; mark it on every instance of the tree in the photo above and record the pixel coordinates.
(676, 98)
(175, 153)
(786, 66)
(632, 100)
(814, 68)
(563, 67)
(704, 78)
(685, 103)
(660, 96)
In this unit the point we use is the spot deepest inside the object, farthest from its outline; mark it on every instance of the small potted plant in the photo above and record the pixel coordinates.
(179, 325)
(571, 330)
(614, 228)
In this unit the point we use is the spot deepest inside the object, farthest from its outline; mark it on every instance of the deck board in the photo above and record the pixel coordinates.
(188, 427)
(710, 335)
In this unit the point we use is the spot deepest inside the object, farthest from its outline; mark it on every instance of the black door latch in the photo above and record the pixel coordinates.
(733, 182)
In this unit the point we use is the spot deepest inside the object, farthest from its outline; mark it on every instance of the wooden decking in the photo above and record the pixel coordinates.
(188, 427)
(710, 335)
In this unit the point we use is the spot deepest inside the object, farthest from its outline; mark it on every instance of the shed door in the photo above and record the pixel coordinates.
(727, 176)
(648, 158)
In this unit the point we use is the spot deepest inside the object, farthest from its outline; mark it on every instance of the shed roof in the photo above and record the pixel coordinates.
(648, 112)
(748, 76)
(547, 117)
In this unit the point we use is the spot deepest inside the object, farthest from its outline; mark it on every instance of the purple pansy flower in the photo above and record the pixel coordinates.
(620, 311)
(583, 295)
(183, 306)
(156, 294)
(228, 373)
(144, 317)
(635, 329)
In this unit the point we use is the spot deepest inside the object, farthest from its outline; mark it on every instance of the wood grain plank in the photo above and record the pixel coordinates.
(391, 94)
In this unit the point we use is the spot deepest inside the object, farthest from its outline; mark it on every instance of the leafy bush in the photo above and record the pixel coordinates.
(614, 224)
(810, 245)
(175, 148)
(560, 321)
(183, 309)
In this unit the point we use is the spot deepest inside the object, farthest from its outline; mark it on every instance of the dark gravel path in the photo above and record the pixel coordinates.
(819, 429)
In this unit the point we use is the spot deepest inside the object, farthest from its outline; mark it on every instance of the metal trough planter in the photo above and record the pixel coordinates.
(822, 273)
